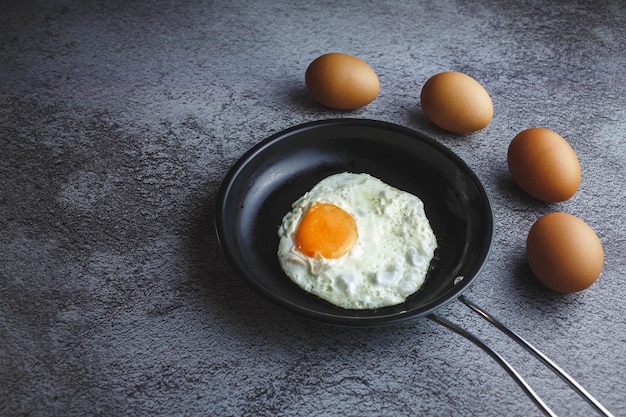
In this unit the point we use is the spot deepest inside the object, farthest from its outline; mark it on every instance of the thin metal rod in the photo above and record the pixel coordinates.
(501, 361)
(530, 348)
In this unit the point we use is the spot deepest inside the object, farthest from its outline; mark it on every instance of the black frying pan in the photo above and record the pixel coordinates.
(260, 188)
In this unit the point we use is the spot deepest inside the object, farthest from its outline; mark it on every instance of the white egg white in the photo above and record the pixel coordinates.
(392, 255)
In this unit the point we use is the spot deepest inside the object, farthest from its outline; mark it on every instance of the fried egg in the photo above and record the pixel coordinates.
(357, 242)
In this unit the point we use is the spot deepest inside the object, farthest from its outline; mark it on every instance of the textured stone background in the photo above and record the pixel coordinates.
(118, 121)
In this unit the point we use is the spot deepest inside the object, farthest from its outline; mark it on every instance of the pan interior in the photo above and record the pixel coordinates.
(260, 188)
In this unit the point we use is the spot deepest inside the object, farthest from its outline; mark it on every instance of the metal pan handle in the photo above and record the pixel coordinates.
(507, 366)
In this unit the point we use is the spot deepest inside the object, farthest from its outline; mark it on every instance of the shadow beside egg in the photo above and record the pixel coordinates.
(523, 201)
(299, 97)
(418, 117)
(421, 123)
(531, 289)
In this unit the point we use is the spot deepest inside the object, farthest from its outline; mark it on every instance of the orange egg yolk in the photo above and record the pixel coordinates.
(326, 230)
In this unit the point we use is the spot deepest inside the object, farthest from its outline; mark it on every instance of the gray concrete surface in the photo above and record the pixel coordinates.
(118, 121)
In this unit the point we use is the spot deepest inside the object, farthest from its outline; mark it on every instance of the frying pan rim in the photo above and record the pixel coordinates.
(317, 316)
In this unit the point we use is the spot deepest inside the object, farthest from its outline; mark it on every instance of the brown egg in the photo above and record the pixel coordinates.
(544, 165)
(564, 253)
(456, 102)
(341, 81)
